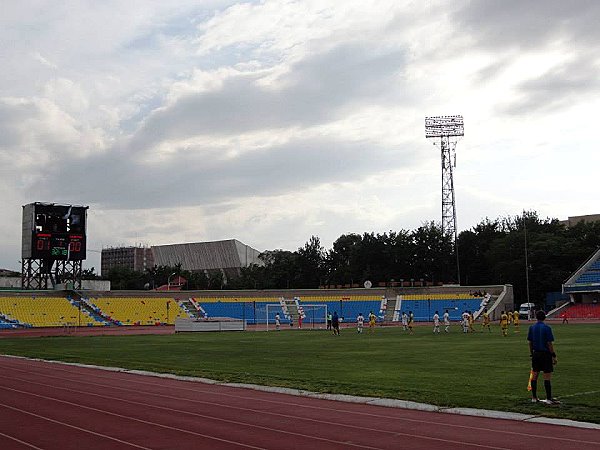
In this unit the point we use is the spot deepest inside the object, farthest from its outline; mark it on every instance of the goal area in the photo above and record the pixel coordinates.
(314, 316)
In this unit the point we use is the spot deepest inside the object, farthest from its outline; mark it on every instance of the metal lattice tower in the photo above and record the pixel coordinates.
(447, 129)
(448, 200)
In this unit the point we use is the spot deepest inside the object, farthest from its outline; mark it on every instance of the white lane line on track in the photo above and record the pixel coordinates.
(113, 414)
(345, 443)
(204, 416)
(20, 441)
(127, 377)
(71, 426)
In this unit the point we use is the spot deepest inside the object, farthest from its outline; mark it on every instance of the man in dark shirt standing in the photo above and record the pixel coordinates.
(335, 323)
(543, 357)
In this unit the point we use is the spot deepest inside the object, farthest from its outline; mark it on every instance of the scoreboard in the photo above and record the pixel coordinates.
(58, 246)
(54, 232)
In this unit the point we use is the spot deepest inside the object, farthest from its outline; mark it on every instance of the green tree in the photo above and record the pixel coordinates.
(310, 264)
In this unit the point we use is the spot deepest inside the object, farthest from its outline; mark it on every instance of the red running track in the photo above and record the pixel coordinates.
(53, 406)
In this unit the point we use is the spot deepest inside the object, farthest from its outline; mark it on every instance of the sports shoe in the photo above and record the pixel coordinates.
(534, 400)
(553, 401)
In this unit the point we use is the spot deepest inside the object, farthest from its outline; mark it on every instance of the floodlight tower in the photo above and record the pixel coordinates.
(447, 129)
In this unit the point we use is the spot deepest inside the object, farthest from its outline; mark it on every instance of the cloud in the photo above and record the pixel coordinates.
(44, 61)
(526, 24)
(315, 89)
(117, 180)
(564, 85)
(179, 154)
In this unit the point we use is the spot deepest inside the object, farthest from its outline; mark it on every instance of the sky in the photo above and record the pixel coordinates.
(272, 121)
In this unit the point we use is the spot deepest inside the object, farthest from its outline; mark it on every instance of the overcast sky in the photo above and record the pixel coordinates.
(272, 121)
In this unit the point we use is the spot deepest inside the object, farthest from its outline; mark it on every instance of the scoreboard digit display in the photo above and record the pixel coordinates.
(54, 232)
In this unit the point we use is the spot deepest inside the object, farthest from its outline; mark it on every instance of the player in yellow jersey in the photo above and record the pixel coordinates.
(504, 323)
(372, 320)
(486, 321)
(516, 321)
(411, 320)
(470, 319)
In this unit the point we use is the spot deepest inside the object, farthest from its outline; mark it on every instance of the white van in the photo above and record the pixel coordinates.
(525, 310)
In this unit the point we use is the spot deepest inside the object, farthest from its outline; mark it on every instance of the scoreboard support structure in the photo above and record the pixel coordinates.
(53, 245)
(36, 274)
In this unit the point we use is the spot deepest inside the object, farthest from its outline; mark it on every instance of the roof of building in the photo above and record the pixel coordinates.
(193, 256)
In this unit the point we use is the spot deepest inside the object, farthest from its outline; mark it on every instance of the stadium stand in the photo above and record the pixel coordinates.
(253, 309)
(91, 309)
(7, 323)
(583, 288)
(42, 312)
(424, 306)
(347, 307)
(589, 277)
(582, 311)
(88, 310)
(586, 277)
(138, 310)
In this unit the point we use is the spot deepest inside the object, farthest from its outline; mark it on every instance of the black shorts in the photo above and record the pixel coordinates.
(542, 362)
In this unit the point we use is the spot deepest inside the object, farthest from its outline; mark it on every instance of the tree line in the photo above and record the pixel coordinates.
(492, 252)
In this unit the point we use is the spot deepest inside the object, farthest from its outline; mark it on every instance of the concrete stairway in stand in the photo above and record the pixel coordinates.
(389, 312)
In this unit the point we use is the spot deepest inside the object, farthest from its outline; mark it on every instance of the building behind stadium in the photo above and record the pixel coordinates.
(574, 220)
(228, 257)
(135, 258)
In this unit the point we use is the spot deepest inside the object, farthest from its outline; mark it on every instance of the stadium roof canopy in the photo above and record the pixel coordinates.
(200, 256)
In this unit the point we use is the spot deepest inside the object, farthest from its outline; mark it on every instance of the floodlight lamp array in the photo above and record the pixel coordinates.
(444, 126)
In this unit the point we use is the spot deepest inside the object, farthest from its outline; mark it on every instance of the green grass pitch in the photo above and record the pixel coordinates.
(478, 370)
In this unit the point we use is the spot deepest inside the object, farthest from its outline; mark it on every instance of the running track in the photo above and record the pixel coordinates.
(53, 406)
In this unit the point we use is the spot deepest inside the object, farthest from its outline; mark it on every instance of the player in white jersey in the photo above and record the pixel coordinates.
(465, 322)
(360, 320)
(436, 322)
(446, 322)
(277, 322)
(404, 321)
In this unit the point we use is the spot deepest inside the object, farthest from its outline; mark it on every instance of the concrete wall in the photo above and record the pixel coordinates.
(91, 285)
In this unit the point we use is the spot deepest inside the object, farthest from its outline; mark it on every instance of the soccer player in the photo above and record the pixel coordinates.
(372, 320)
(543, 357)
(446, 322)
(411, 319)
(277, 322)
(329, 321)
(486, 321)
(516, 321)
(436, 322)
(465, 322)
(360, 320)
(404, 321)
(470, 320)
(504, 323)
(335, 323)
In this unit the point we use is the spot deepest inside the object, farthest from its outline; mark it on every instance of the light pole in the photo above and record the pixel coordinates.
(526, 266)
(447, 129)
(169, 281)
